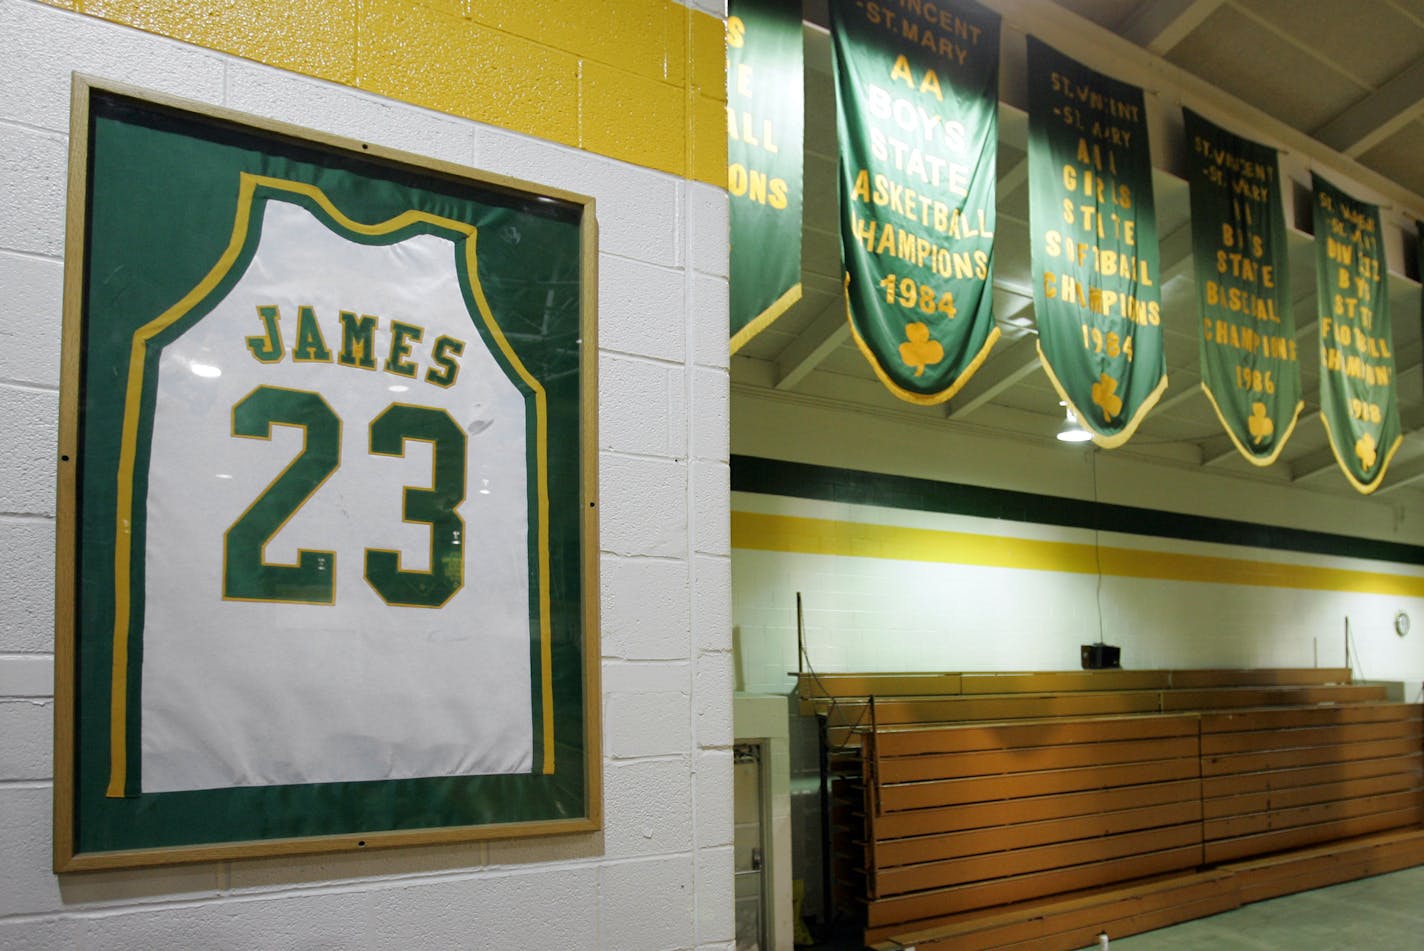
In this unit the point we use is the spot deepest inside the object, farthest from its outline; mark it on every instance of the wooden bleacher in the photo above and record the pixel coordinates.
(982, 810)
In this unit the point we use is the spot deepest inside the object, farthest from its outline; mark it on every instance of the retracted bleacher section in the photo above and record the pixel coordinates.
(982, 810)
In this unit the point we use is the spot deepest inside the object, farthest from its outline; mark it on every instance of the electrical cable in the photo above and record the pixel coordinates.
(1358, 661)
(1097, 541)
(835, 701)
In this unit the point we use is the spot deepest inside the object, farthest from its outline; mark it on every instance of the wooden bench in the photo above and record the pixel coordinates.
(1074, 921)
(1018, 791)
(846, 699)
(1283, 779)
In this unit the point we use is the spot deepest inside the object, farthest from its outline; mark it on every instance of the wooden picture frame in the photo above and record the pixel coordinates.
(327, 554)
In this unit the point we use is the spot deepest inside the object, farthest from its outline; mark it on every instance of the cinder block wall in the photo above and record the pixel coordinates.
(621, 101)
(977, 591)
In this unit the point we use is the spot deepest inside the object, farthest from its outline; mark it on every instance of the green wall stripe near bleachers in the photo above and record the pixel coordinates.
(829, 484)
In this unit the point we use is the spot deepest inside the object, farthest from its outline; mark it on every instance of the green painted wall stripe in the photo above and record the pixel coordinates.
(825, 483)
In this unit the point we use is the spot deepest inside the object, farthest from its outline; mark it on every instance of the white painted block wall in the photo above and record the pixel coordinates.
(883, 614)
(660, 874)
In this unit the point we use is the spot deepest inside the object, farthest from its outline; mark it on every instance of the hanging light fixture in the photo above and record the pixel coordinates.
(1071, 431)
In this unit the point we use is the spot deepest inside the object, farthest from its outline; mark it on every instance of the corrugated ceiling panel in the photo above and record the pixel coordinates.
(1367, 38)
(1401, 156)
(1232, 51)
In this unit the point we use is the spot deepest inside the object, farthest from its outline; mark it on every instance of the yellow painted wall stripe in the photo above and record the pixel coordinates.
(814, 536)
(641, 81)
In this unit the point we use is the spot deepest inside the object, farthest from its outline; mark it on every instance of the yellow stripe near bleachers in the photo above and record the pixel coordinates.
(813, 536)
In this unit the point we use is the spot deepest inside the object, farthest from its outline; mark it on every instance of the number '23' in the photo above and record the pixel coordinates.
(247, 576)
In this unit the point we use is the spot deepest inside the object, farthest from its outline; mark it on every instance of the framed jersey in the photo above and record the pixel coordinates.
(327, 573)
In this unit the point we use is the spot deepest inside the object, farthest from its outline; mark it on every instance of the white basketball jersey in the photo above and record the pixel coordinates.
(250, 691)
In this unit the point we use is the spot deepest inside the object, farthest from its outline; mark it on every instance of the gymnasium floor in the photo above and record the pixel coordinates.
(1385, 912)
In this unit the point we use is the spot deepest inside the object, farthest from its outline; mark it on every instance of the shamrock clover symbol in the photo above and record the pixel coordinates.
(1365, 449)
(1104, 395)
(1259, 423)
(920, 350)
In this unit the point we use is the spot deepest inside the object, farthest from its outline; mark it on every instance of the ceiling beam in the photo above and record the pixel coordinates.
(1362, 126)
(1217, 449)
(1174, 253)
(1013, 178)
(1402, 475)
(1182, 395)
(812, 345)
(1313, 464)
(1408, 358)
(1002, 371)
(1160, 25)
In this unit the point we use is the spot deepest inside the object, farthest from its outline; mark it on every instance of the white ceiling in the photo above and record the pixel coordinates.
(1347, 74)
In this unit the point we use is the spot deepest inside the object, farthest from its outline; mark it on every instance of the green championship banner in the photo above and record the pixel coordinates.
(764, 119)
(1358, 402)
(1250, 369)
(917, 114)
(1093, 234)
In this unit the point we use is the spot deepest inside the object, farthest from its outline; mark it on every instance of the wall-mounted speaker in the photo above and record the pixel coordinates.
(1101, 656)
